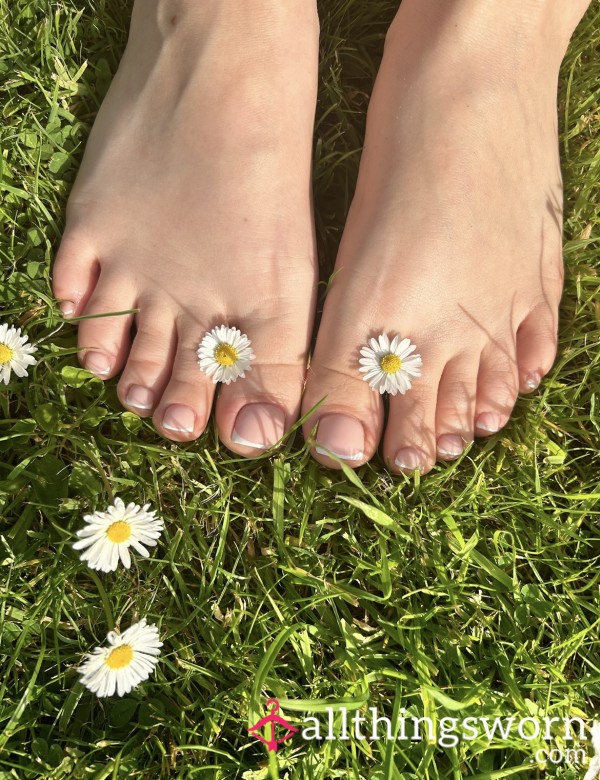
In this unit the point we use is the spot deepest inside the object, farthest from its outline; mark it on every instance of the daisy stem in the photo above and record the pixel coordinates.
(110, 621)
(94, 457)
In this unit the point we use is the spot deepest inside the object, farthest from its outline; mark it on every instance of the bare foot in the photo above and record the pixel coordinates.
(193, 205)
(454, 235)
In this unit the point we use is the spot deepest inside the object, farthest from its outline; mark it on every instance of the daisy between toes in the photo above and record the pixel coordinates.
(390, 367)
(225, 354)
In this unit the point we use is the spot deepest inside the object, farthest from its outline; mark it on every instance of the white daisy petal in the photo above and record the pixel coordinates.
(107, 536)
(389, 366)
(125, 556)
(128, 660)
(405, 348)
(225, 354)
(141, 549)
(15, 353)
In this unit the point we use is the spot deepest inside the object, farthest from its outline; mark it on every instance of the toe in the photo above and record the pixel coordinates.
(184, 408)
(254, 412)
(410, 437)
(74, 275)
(104, 336)
(348, 421)
(455, 408)
(150, 360)
(497, 388)
(536, 347)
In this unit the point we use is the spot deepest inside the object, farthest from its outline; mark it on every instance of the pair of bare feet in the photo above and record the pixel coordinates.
(193, 205)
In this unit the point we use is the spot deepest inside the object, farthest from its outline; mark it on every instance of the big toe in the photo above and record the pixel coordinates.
(347, 422)
(254, 413)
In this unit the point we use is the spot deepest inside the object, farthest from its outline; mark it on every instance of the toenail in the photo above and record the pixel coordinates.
(489, 422)
(179, 418)
(450, 445)
(341, 436)
(67, 308)
(409, 460)
(98, 363)
(140, 397)
(259, 426)
(533, 379)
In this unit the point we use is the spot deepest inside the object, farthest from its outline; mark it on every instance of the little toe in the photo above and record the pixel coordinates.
(497, 388)
(150, 360)
(536, 348)
(456, 406)
(184, 408)
(104, 337)
(74, 275)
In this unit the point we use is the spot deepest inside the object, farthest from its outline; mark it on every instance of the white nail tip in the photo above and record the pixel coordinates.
(143, 407)
(328, 453)
(237, 439)
(401, 465)
(175, 429)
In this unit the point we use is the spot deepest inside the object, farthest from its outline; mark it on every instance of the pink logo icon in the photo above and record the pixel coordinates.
(272, 720)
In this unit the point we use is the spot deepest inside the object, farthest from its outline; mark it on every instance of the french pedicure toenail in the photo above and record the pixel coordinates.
(341, 436)
(179, 418)
(67, 308)
(98, 363)
(140, 397)
(409, 460)
(533, 379)
(259, 426)
(489, 422)
(450, 445)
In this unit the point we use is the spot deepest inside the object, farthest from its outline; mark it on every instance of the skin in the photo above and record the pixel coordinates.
(193, 205)
(453, 238)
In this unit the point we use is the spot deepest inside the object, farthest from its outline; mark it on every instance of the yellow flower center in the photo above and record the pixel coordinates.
(6, 354)
(119, 532)
(226, 355)
(119, 657)
(390, 364)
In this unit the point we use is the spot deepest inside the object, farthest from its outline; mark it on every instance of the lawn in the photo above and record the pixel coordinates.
(472, 592)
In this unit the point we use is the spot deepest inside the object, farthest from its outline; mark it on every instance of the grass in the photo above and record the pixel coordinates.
(473, 591)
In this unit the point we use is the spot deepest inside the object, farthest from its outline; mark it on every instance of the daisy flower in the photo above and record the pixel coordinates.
(225, 354)
(388, 366)
(15, 353)
(108, 535)
(129, 659)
